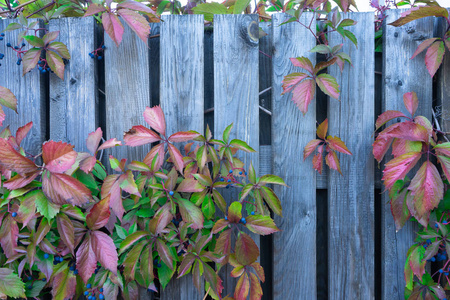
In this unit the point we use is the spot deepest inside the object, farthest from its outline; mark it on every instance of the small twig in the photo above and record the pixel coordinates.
(265, 54)
(438, 127)
(266, 90)
(41, 9)
(209, 110)
(154, 36)
(378, 72)
(265, 110)
(102, 92)
(207, 293)
(18, 7)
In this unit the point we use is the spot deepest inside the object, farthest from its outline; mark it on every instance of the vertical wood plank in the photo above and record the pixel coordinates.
(182, 96)
(399, 45)
(295, 245)
(351, 196)
(127, 89)
(443, 82)
(29, 91)
(236, 89)
(73, 101)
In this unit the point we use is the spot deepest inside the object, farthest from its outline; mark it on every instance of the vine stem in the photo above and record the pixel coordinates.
(438, 127)
(18, 7)
(207, 292)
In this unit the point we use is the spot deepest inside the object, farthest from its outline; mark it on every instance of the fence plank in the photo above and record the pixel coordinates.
(351, 196)
(29, 91)
(443, 81)
(236, 92)
(399, 45)
(291, 131)
(182, 95)
(73, 101)
(127, 90)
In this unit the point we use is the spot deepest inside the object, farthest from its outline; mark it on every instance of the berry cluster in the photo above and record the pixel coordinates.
(98, 53)
(2, 35)
(19, 51)
(90, 294)
(30, 280)
(43, 66)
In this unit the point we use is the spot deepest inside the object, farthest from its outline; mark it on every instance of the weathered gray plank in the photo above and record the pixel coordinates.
(295, 246)
(127, 90)
(351, 196)
(181, 90)
(29, 90)
(399, 45)
(236, 89)
(73, 101)
(443, 82)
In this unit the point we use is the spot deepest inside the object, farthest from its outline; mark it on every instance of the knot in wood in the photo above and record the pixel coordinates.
(249, 31)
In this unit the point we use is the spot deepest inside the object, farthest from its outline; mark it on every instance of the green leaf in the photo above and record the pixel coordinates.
(419, 12)
(272, 200)
(35, 288)
(210, 9)
(208, 207)
(240, 6)
(247, 251)
(12, 27)
(34, 41)
(60, 48)
(262, 225)
(226, 133)
(241, 145)
(10, 284)
(131, 239)
(235, 212)
(8, 99)
(30, 59)
(99, 172)
(322, 49)
(55, 63)
(165, 273)
(46, 208)
(190, 213)
(121, 232)
(272, 179)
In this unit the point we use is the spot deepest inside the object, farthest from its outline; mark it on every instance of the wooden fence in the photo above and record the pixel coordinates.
(338, 238)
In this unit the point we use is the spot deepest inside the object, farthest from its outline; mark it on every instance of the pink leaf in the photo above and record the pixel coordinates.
(434, 57)
(137, 23)
(380, 147)
(94, 9)
(140, 135)
(62, 189)
(419, 12)
(183, 136)
(22, 132)
(113, 27)
(110, 144)
(445, 164)
(388, 116)
(242, 287)
(87, 163)
(93, 140)
(157, 150)
(86, 259)
(400, 147)
(318, 162)
(291, 80)
(58, 156)
(416, 263)
(190, 185)
(333, 161)
(328, 85)
(399, 210)
(99, 214)
(303, 94)
(155, 118)
(128, 184)
(304, 63)
(397, 168)
(9, 233)
(111, 186)
(161, 219)
(176, 158)
(262, 225)
(424, 45)
(310, 147)
(134, 5)
(66, 231)
(105, 250)
(12, 160)
(337, 144)
(30, 59)
(406, 130)
(18, 181)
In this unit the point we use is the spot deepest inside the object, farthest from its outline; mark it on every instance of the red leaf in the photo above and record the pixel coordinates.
(256, 290)
(337, 144)
(246, 249)
(223, 243)
(105, 250)
(94, 9)
(161, 219)
(303, 94)
(22, 132)
(388, 116)
(55, 63)
(137, 23)
(318, 162)
(406, 130)
(8, 236)
(445, 164)
(427, 190)
(140, 135)
(424, 45)
(186, 264)
(242, 287)
(183, 136)
(155, 118)
(416, 263)
(235, 212)
(262, 225)
(113, 27)
(58, 156)
(328, 85)
(8, 99)
(398, 167)
(93, 140)
(111, 186)
(87, 162)
(110, 144)
(190, 185)
(86, 259)
(18, 181)
(380, 147)
(291, 80)
(332, 161)
(400, 210)
(400, 147)
(62, 189)
(191, 213)
(64, 284)
(419, 12)
(434, 57)
(304, 63)
(164, 253)
(176, 158)
(310, 147)
(12, 160)
(99, 214)
(66, 231)
(322, 129)
(157, 150)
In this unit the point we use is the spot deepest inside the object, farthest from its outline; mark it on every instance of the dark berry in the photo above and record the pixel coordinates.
(2, 34)
(441, 271)
(226, 218)
(446, 273)
(16, 47)
(2, 55)
(72, 268)
(221, 179)
(44, 279)
(18, 62)
(101, 297)
(436, 225)
(8, 45)
(155, 261)
(231, 171)
(103, 47)
(43, 71)
(88, 285)
(86, 293)
(433, 259)
(14, 214)
(171, 193)
(29, 278)
(252, 213)
(75, 272)
(229, 180)
(99, 58)
(100, 290)
(243, 220)
(29, 287)
(159, 265)
(23, 44)
(429, 241)
(1, 38)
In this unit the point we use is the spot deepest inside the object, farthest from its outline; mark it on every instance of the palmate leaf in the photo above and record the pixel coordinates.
(10, 284)
(113, 27)
(434, 57)
(397, 168)
(303, 94)
(247, 251)
(137, 23)
(419, 12)
(58, 156)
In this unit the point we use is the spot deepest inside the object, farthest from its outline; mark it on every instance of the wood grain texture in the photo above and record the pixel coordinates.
(295, 246)
(29, 91)
(236, 89)
(181, 90)
(73, 101)
(399, 45)
(127, 91)
(351, 196)
(443, 82)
